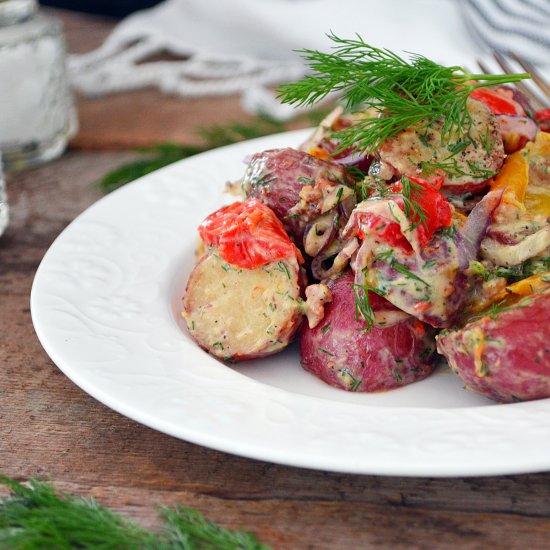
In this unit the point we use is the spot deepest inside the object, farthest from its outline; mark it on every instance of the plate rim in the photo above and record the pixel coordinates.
(473, 465)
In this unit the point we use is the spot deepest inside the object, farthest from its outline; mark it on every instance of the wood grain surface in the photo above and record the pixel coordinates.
(50, 428)
(141, 117)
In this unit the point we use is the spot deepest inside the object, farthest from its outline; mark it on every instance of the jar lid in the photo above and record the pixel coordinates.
(15, 11)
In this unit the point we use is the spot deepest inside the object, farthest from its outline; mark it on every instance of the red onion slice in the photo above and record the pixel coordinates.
(473, 231)
(516, 131)
(358, 159)
(320, 233)
(337, 256)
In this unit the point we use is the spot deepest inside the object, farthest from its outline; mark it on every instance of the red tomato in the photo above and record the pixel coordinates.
(435, 207)
(543, 119)
(247, 235)
(386, 231)
(542, 114)
(498, 101)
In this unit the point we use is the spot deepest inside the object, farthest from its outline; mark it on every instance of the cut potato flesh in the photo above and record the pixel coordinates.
(238, 314)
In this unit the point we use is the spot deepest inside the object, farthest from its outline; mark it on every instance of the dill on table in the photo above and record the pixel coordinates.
(161, 154)
(36, 516)
(404, 92)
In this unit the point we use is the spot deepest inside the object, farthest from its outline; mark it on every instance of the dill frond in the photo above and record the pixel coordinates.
(403, 92)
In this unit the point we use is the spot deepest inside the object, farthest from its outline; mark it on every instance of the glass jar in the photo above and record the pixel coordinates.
(37, 114)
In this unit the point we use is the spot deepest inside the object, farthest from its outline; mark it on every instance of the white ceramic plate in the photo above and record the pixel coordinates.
(106, 302)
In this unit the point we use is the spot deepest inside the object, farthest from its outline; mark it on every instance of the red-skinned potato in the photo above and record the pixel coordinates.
(411, 151)
(341, 353)
(277, 176)
(504, 355)
(243, 298)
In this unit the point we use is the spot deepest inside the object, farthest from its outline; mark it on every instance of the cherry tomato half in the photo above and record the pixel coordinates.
(247, 235)
(385, 231)
(431, 212)
(498, 101)
(543, 119)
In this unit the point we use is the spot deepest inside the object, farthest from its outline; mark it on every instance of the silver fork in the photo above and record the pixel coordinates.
(539, 99)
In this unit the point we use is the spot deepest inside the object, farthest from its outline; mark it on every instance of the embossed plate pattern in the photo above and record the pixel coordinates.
(105, 305)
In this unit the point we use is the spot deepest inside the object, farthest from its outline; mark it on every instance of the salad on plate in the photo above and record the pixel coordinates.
(413, 223)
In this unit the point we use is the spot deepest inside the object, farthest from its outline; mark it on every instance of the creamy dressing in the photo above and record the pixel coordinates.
(419, 283)
(416, 151)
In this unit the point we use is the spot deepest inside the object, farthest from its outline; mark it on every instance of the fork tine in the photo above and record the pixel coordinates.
(483, 67)
(535, 98)
(535, 101)
(535, 75)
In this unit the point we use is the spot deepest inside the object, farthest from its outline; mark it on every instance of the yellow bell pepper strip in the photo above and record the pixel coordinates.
(541, 145)
(525, 287)
(537, 194)
(514, 175)
(517, 176)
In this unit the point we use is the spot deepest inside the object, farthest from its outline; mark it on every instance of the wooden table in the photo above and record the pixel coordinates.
(49, 427)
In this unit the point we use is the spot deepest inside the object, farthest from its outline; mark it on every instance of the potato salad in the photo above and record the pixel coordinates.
(412, 225)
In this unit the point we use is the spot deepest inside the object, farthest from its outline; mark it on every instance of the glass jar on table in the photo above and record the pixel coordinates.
(37, 115)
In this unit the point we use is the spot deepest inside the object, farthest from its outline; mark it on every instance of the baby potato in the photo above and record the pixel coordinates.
(277, 176)
(342, 353)
(237, 314)
(504, 355)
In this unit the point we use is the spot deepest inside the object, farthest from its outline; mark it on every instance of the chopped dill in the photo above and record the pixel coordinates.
(283, 268)
(382, 256)
(451, 167)
(363, 308)
(406, 271)
(414, 211)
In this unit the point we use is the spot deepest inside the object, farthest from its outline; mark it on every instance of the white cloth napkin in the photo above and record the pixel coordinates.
(522, 26)
(242, 46)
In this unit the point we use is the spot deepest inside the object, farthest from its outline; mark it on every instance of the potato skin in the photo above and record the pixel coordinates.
(237, 314)
(505, 357)
(341, 354)
(277, 176)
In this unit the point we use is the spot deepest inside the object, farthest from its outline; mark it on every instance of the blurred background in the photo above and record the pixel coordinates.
(116, 9)
(201, 74)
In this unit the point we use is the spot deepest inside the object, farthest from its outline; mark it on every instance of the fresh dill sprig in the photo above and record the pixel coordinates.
(363, 308)
(219, 135)
(36, 516)
(402, 92)
(371, 186)
(512, 274)
(411, 193)
(155, 157)
(497, 308)
(159, 155)
(188, 529)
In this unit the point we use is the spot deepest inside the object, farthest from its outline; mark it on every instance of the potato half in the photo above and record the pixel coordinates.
(342, 353)
(238, 314)
(504, 355)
